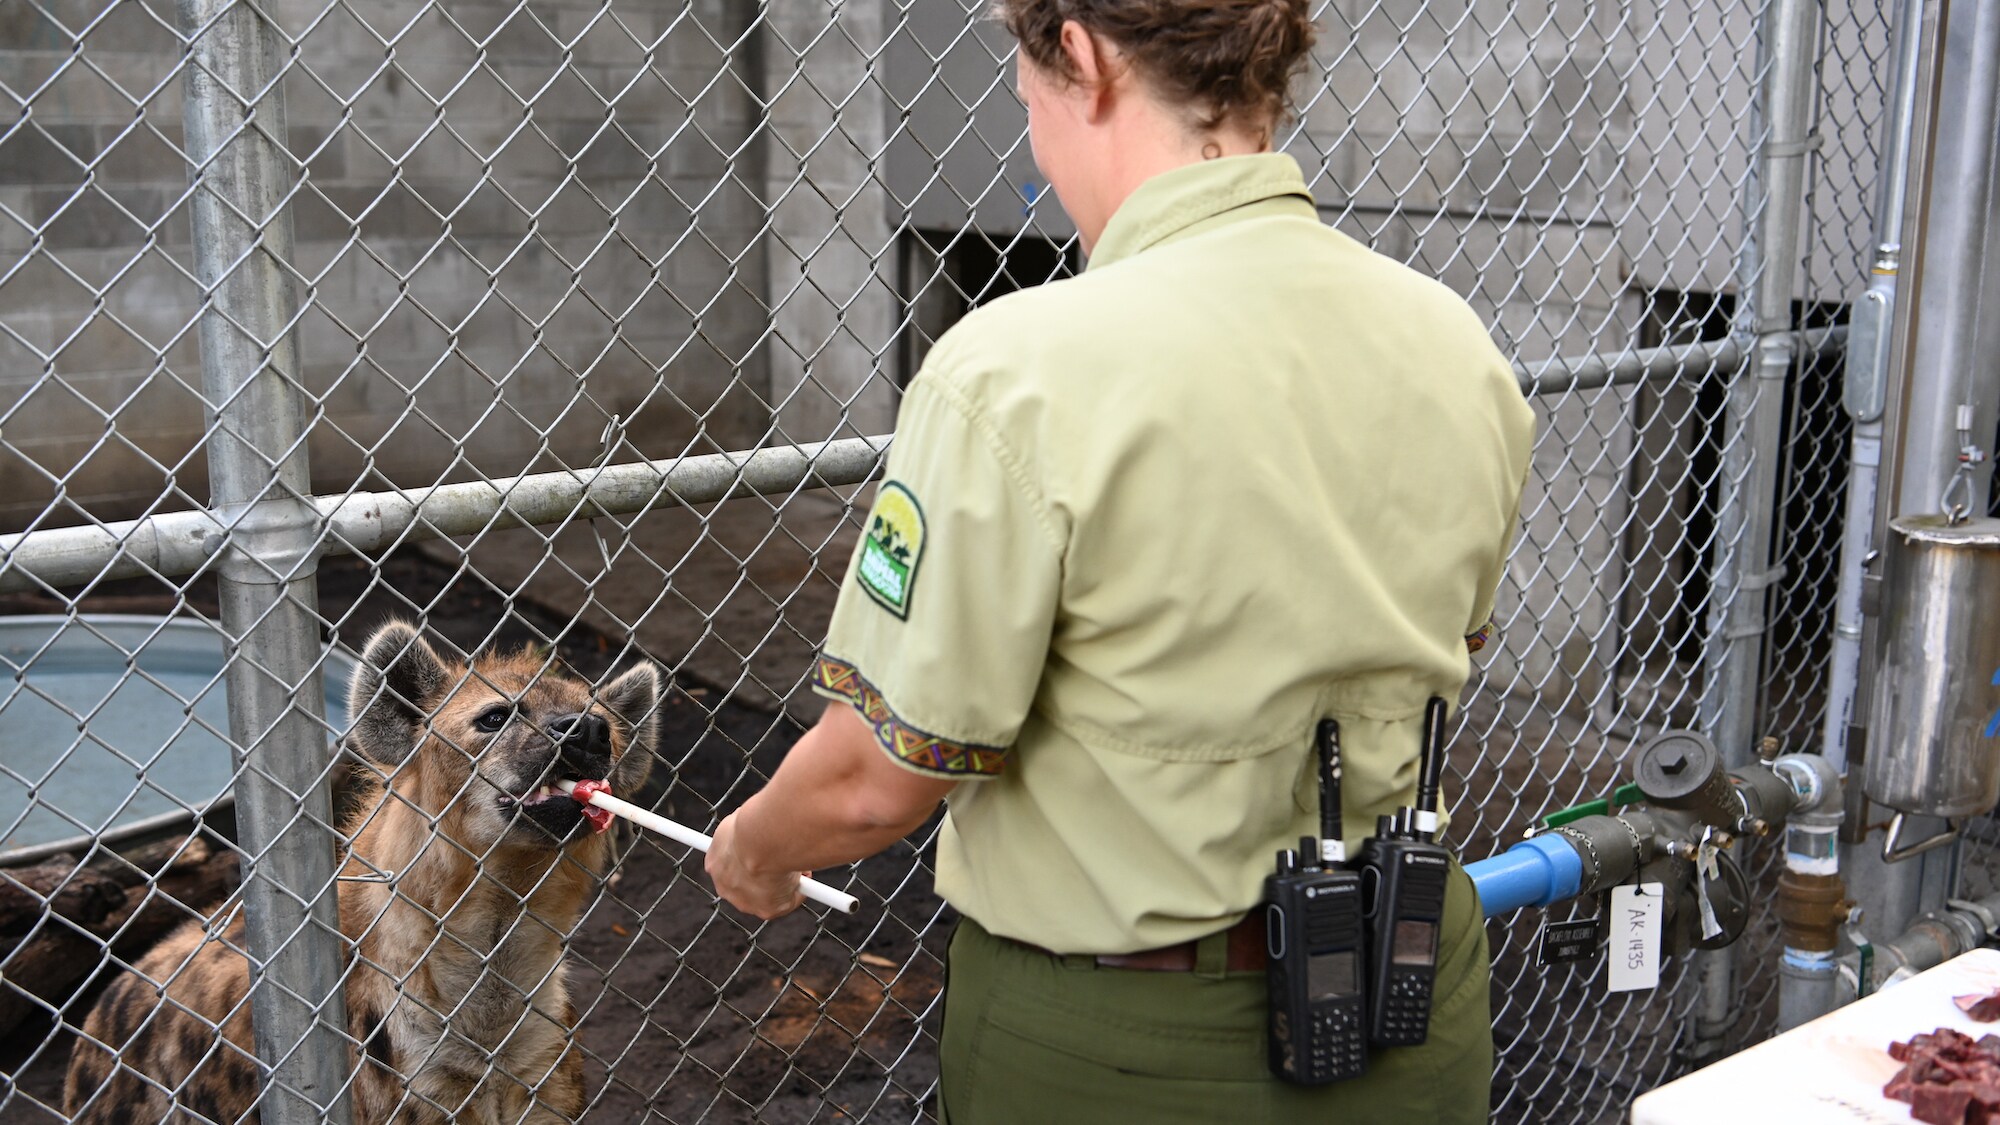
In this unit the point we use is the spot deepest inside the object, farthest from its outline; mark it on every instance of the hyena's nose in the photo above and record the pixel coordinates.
(584, 741)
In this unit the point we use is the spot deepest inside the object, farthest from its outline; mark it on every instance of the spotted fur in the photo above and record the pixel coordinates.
(458, 1000)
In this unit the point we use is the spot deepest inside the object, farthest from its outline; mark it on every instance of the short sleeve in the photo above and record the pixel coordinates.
(943, 621)
(1479, 630)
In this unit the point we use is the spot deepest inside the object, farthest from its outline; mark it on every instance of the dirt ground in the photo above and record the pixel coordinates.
(689, 1013)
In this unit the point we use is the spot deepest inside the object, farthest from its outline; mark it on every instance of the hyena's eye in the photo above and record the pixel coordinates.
(493, 718)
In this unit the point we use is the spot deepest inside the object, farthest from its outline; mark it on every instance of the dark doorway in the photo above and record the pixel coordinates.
(945, 274)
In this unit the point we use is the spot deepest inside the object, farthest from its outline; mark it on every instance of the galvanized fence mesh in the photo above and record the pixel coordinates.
(580, 324)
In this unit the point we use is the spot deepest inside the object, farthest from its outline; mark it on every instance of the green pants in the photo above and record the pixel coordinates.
(1031, 1039)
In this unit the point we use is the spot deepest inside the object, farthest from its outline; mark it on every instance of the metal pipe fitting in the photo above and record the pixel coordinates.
(1538, 871)
(1617, 846)
(1809, 986)
(1582, 857)
(1683, 771)
(1814, 782)
(1929, 942)
(1766, 796)
(1812, 827)
(1813, 904)
(1810, 911)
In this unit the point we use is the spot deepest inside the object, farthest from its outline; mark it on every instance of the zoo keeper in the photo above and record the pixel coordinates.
(1141, 530)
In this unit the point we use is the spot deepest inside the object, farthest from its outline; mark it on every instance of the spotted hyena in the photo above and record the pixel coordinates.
(466, 871)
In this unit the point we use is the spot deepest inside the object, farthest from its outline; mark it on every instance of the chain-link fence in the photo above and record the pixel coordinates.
(579, 325)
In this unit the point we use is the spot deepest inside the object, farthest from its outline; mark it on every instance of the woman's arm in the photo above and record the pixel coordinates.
(835, 799)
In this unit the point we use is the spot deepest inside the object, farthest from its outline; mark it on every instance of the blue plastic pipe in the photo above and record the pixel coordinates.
(1535, 872)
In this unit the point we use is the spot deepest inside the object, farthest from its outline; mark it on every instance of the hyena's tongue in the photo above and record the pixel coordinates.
(600, 819)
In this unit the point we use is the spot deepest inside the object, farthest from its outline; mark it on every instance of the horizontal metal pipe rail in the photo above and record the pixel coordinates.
(182, 543)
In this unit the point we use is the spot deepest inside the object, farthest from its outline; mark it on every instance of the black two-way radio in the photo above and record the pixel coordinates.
(1312, 916)
(1402, 875)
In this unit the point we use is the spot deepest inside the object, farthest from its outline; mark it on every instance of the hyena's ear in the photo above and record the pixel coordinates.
(397, 684)
(635, 698)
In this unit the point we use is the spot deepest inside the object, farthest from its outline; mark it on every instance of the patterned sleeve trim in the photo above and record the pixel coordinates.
(1476, 641)
(929, 753)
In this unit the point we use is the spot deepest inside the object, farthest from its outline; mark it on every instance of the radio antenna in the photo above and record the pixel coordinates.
(1429, 767)
(1331, 848)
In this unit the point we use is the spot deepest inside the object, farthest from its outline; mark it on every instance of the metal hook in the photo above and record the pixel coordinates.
(1960, 482)
(1893, 854)
(1969, 455)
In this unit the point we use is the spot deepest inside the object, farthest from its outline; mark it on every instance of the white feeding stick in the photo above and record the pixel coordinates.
(681, 834)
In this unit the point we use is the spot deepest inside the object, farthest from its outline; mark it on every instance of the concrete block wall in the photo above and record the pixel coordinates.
(70, 250)
(513, 223)
(832, 249)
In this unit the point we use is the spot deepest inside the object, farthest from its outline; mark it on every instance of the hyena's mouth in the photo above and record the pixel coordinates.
(540, 795)
(546, 811)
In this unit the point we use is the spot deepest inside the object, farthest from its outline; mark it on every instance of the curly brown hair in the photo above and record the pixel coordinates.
(1222, 58)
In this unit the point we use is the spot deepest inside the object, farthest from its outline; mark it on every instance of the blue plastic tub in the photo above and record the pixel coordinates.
(115, 728)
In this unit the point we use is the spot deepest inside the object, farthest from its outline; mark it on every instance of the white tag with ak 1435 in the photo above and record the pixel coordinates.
(1633, 937)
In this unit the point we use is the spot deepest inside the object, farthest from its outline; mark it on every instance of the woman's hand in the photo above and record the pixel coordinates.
(766, 894)
(835, 799)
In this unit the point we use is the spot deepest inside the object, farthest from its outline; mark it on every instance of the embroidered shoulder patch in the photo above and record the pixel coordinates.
(892, 548)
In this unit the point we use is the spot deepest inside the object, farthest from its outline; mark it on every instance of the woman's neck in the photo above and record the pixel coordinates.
(1146, 145)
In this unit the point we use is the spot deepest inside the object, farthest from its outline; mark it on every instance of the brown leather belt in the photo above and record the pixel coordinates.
(1246, 952)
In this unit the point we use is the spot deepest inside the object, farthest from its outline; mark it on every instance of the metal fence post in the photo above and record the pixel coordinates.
(1948, 340)
(1752, 430)
(260, 495)
(1957, 337)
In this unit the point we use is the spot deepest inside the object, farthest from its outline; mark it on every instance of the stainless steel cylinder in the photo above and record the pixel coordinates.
(1929, 752)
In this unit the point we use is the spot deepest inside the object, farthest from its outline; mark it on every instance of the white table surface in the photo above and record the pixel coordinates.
(1831, 1070)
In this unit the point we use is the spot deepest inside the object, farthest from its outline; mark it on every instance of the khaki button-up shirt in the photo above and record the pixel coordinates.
(1141, 529)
